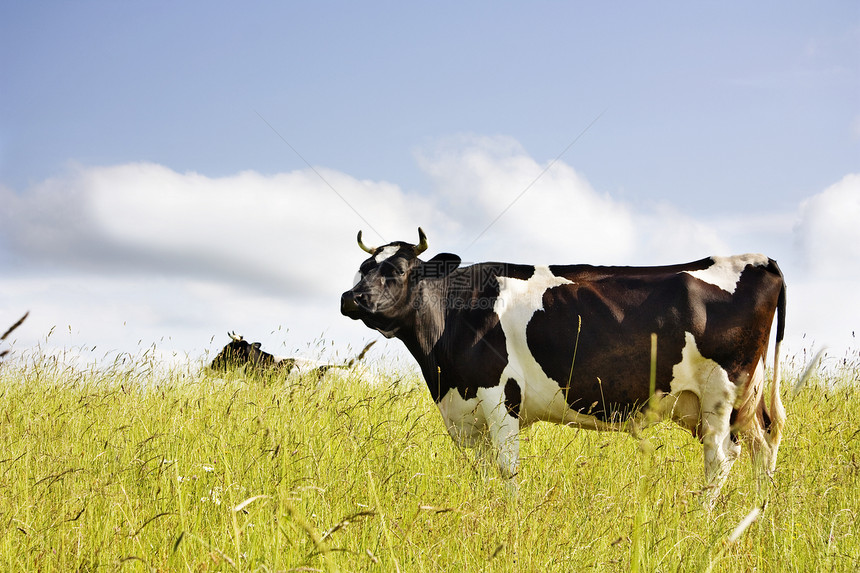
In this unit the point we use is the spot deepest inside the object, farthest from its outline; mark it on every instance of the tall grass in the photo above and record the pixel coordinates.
(136, 469)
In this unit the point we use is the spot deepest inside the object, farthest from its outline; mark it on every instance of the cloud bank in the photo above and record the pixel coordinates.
(827, 232)
(139, 252)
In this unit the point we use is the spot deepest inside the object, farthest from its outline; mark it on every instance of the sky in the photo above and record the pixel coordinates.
(173, 171)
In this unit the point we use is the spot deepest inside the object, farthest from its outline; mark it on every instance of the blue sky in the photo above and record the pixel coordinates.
(151, 188)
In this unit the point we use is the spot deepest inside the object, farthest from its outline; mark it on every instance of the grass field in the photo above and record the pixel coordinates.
(132, 469)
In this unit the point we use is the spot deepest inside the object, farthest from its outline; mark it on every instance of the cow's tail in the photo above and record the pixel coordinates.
(777, 410)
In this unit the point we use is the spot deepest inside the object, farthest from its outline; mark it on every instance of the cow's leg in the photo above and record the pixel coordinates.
(484, 458)
(775, 424)
(772, 420)
(760, 453)
(758, 429)
(466, 425)
(750, 422)
(503, 430)
(720, 447)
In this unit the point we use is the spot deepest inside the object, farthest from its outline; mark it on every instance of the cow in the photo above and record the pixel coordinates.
(241, 353)
(502, 346)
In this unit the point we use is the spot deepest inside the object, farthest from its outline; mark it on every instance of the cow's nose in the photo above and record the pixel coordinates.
(348, 304)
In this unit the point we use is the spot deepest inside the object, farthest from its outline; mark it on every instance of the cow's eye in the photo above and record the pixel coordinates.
(390, 271)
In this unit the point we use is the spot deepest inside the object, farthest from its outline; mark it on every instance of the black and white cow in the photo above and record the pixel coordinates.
(504, 345)
(241, 353)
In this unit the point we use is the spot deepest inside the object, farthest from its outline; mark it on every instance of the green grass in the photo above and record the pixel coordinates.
(134, 470)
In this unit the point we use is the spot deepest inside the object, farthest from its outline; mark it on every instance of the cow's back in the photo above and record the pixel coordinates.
(588, 329)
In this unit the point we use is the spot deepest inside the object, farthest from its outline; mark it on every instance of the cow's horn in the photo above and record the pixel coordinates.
(364, 247)
(234, 336)
(422, 242)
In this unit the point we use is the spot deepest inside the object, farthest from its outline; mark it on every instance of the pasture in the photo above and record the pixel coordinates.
(131, 468)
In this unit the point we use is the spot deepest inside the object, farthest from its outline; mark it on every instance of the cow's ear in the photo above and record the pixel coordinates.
(439, 266)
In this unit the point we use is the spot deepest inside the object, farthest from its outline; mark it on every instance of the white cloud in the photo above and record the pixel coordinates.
(278, 234)
(548, 212)
(532, 210)
(827, 233)
(666, 235)
(822, 291)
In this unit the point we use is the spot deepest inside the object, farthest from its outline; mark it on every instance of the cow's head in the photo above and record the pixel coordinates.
(388, 284)
(240, 352)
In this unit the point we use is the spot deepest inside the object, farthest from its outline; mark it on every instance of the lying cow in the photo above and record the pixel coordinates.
(241, 353)
(504, 345)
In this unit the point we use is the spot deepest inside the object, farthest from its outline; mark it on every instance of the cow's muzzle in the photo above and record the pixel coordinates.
(348, 305)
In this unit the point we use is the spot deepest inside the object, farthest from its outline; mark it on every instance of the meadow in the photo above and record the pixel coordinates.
(136, 468)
